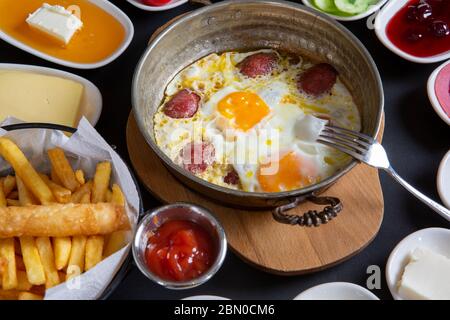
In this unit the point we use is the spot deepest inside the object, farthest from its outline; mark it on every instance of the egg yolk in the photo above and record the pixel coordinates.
(245, 109)
(290, 172)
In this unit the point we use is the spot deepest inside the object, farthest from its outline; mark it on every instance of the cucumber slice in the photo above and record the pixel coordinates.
(352, 6)
(326, 5)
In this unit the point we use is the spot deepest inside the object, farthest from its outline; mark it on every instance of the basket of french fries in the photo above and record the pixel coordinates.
(68, 205)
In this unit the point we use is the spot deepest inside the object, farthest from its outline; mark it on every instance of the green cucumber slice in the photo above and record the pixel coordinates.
(326, 5)
(352, 6)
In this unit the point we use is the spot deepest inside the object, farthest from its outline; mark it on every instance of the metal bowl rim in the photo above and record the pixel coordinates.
(240, 193)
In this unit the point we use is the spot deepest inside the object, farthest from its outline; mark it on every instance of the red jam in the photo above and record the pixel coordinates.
(442, 89)
(421, 28)
(180, 250)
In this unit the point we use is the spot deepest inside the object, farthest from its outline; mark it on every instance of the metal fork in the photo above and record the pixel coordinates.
(368, 150)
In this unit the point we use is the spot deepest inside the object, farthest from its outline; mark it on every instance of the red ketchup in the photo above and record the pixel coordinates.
(442, 89)
(421, 28)
(180, 250)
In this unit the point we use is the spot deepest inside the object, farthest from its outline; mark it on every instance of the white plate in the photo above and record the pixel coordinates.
(170, 5)
(435, 239)
(381, 22)
(337, 291)
(443, 180)
(432, 94)
(106, 6)
(91, 102)
(205, 297)
(372, 8)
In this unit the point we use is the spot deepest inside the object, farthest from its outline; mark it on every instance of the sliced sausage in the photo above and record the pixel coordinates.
(184, 104)
(258, 64)
(197, 156)
(232, 177)
(318, 79)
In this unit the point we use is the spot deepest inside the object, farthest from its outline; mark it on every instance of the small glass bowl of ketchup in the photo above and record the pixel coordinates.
(179, 246)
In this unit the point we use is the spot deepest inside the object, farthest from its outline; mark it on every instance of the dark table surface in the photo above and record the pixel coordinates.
(415, 137)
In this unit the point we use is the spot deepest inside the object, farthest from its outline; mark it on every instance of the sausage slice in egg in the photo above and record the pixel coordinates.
(258, 64)
(184, 104)
(318, 79)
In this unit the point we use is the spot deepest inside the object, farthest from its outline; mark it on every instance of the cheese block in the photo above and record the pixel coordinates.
(55, 21)
(426, 276)
(34, 97)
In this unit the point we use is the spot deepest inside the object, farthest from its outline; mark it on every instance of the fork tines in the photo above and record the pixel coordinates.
(351, 142)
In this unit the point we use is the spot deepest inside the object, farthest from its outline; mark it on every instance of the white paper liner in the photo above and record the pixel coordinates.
(84, 149)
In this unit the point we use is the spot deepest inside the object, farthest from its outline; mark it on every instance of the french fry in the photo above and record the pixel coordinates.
(86, 198)
(2, 197)
(9, 184)
(94, 251)
(62, 247)
(32, 261)
(9, 294)
(48, 261)
(108, 196)
(13, 203)
(28, 296)
(101, 181)
(54, 177)
(117, 240)
(26, 198)
(15, 157)
(9, 274)
(61, 194)
(76, 261)
(78, 195)
(22, 281)
(79, 175)
(63, 169)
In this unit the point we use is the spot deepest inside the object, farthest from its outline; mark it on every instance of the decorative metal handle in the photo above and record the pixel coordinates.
(312, 218)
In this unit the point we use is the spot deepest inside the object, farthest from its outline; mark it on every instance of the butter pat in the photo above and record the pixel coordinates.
(55, 21)
(426, 276)
(39, 98)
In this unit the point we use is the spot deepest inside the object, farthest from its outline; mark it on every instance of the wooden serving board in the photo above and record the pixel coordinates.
(261, 241)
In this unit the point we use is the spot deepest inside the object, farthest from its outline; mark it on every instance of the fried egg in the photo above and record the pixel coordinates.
(263, 128)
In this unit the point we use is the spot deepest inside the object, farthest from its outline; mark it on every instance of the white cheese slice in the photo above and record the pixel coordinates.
(55, 21)
(426, 276)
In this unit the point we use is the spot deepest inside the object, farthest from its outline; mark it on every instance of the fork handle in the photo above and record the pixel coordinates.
(441, 210)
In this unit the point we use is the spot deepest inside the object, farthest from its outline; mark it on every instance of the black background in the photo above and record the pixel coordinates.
(415, 137)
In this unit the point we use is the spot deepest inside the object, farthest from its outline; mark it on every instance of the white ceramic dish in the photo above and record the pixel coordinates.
(435, 239)
(91, 102)
(336, 291)
(106, 6)
(381, 22)
(443, 180)
(432, 93)
(373, 8)
(170, 5)
(205, 297)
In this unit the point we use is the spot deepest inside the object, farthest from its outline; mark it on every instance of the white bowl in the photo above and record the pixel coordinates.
(381, 22)
(435, 239)
(432, 93)
(205, 297)
(372, 8)
(106, 6)
(91, 102)
(337, 291)
(170, 5)
(443, 180)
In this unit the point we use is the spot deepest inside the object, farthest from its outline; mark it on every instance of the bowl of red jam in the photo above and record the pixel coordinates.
(417, 30)
(179, 246)
(439, 91)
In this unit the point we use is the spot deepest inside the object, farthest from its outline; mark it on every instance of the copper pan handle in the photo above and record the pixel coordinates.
(311, 218)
